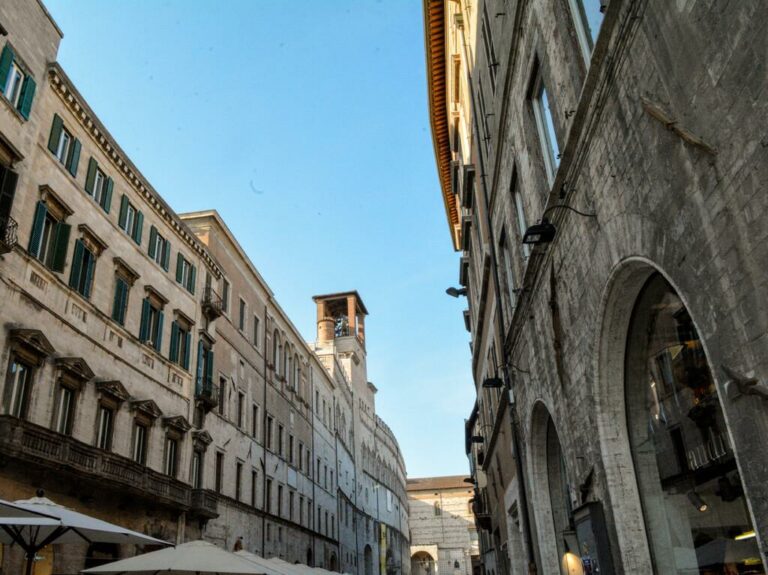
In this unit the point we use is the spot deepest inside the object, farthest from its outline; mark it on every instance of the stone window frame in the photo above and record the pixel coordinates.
(176, 428)
(31, 348)
(145, 413)
(58, 211)
(72, 374)
(127, 274)
(549, 149)
(201, 439)
(111, 395)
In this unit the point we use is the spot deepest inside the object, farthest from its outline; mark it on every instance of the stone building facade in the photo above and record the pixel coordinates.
(443, 534)
(150, 376)
(619, 352)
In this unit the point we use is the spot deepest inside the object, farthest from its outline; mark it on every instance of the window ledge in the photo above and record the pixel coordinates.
(12, 108)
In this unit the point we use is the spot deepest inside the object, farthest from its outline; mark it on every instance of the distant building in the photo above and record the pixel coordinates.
(443, 534)
(150, 376)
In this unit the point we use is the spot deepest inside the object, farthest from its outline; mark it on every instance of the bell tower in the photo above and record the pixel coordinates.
(340, 315)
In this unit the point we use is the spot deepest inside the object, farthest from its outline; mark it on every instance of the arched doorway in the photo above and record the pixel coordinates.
(695, 512)
(422, 563)
(368, 560)
(333, 563)
(309, 557)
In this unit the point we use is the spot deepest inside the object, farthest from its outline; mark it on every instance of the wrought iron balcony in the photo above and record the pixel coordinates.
(8, 234)
(208, 393)
(213, 305)
(36, 445)
(204, 503)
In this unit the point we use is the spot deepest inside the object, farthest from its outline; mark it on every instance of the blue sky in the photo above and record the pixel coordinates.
(305, 125)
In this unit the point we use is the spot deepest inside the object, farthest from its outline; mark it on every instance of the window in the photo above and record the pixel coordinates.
(197, 469)
(106, 425)
(588, 17)
(151, 328)
(130, 220)
(437, 509)
(545, 126)
(159, 248)
(490, 53)
(268, 494)
(185, 273)
(171, 456)
(224, 295)
(49, 238)
(140, 433)
(509, 276)
(301, 510)
(240, 409)
(222, 398)
(521, 223)
(181, 343)
(270, 423)
(254, 486)
(256, 331)
(64, 146)
(301, 456)
(254, 421)
(219, 471)
(120, 303)
(98, 185)
(238, 479)
(280, 446)
(18, 86)
(290, 504)
(241, 320)
(20, 381)
(83, 267)
(290, 448)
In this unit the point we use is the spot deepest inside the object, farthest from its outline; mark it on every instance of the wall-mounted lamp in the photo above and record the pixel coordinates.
(697, 501)
(470, 480)
(478, 439)
(572, 564)
(544, 232)
(492, 383)
(456, 292)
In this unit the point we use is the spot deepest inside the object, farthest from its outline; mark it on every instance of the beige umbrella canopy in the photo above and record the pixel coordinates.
(269, 565)
(186, 559)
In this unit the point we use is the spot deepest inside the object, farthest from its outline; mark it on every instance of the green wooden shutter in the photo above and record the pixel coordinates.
(188, 341)
(77, 263)
(106, 200)
(123, 212)
(159, 334)
(90, 178)
(173, 350)
(56, 127)
(199, 379)
(137, 226)
(117, 303)
(6, 59)
(8, 180)
(144, 327)
(61, 243)
(74, 157)
(152, 241)
(209, 367)
(166, 254)
(179, 266)
(90, 268)
(37, 229)
(192, 276)
(27, 94)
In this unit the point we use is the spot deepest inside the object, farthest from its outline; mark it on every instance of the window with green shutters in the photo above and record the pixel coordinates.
(204, 376)
(181, 341)
(64, 145)
(151, 327)
(49, 238)
(83, 268)
(130, 220)
(98, 185)
(186, 273)
(16, 84)
(120, 304)
(159, 248)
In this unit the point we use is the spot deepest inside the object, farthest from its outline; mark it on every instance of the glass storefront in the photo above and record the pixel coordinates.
(693, 501)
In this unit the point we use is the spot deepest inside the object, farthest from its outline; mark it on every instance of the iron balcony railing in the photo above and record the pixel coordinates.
(213, 305)
(207, 391)
(8, 234)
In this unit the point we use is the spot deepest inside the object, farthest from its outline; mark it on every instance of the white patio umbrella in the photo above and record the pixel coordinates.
(194, 557)
(300, 568)
(50, 523)
(271, 567)
(8, 509)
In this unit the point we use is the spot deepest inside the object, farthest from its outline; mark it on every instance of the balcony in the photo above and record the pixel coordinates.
(207, 393)
(8, 234)
(213, 305)
(32, 444)
(204, 503)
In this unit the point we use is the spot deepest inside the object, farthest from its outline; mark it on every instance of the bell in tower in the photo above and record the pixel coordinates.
(340, 315)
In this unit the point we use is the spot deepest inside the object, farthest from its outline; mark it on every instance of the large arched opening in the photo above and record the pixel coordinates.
(368, 560)
(422, 563)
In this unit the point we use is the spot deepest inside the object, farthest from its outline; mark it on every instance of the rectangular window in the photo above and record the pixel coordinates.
(279, 500)
(219, 471)
(240, 409)
(268, 495)
(65, 410)
(20, 379)
(290, 448)
(521, 222)
(238, 479)
(185, 273)
(120, 303)
(106, 424)
(140, 433)
(270, 423)
(151, 327)
(99, 185)
(83, 268)
(256, 331)
(224, 295)
(64, 146)
(241, 320)
(301, 456)
(588, 17)
(49, 238)
(130, 220)
(159, 248)
(255, 421)
(171, 456)
(490, 53)
(197, 469)
(222, 400)
(17, 86)
(290, 504)
(509, 276)
(254, 486)
(181, 343)
(301, 510)
(280, 446)
(545, 126)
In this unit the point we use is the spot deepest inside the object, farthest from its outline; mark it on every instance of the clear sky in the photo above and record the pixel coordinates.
(305, 124)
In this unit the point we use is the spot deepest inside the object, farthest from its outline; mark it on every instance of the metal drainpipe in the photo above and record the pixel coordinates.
(522, 491)
(263, 443)
(312, 468)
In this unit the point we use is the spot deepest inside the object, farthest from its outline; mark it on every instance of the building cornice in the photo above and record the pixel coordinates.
(76, 104)
(435, 48)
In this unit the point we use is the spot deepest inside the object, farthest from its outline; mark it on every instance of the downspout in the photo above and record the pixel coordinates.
(522, 491)
(314, 471)
(263, 443)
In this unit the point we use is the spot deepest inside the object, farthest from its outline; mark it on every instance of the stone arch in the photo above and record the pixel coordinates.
(368, 560)
(422, 563)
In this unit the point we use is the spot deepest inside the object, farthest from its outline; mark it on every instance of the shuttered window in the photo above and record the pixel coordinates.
(151, 327)
(48, 239)
(120, 303)
(83, 267)
(181, 342)
(130, 219)
(159, 248)
(186, 273)
(99, 185)
(64, 145)
(15, 83)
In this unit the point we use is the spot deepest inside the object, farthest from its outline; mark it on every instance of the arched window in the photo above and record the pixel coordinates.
(275, 350)
(438, 510)
(695, 512)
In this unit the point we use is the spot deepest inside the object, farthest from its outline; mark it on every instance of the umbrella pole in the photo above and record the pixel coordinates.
(30, 555)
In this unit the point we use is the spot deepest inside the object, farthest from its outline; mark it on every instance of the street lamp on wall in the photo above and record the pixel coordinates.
(492, 383)
(545, 231)
(456, 292)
